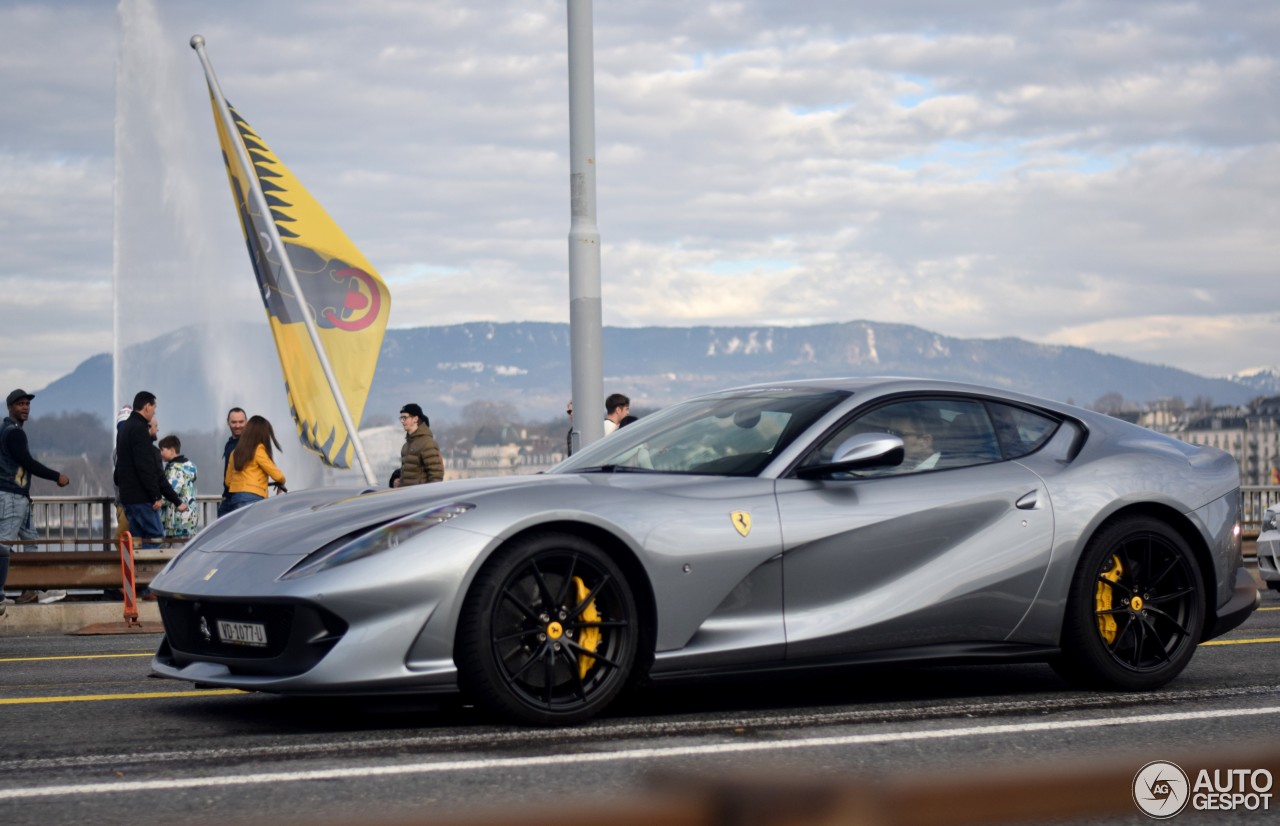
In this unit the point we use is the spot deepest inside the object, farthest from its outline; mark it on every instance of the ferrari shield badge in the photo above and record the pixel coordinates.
(741, 521)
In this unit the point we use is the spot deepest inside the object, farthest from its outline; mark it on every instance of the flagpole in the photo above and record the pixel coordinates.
(260, 201)
(586, 357)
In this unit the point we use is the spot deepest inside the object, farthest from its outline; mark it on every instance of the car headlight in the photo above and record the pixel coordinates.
(1269, 519)
(382, 538)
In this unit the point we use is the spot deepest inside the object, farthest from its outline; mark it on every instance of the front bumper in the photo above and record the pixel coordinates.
(308, 649)
(297, 635)
(384, 624)
(1269, 556)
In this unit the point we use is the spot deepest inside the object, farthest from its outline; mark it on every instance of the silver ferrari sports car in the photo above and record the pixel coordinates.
(783, 526)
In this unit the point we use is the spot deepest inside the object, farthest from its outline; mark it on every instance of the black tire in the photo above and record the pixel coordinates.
(527, 647)
(1273, 585)
(1134, 627)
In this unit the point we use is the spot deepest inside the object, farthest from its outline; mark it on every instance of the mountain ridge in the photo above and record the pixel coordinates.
(445, 367)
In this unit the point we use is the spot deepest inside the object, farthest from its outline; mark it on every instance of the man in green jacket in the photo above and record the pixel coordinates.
(420, 457)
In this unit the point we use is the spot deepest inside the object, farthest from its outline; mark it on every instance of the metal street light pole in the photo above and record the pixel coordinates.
(586, 351)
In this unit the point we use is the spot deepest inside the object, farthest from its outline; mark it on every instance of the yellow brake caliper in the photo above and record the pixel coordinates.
(1102, 601)
(589, 639)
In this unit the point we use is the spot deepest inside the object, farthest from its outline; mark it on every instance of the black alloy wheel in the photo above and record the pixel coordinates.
(548, 632)
(1136, 609)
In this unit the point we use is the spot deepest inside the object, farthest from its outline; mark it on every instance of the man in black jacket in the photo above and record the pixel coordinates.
(17, 466)
(141, 491)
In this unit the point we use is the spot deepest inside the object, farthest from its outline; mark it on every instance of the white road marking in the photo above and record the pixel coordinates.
(558, 759)
(614, 730)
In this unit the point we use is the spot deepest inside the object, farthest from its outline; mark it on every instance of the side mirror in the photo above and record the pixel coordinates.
(866, 450)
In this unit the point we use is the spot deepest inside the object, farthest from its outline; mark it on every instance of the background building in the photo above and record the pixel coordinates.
(1250, 433)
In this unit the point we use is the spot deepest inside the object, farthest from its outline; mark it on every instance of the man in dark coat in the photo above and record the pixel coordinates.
(137, 472)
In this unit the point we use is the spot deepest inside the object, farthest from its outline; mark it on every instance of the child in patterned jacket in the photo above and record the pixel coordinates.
(181, 474)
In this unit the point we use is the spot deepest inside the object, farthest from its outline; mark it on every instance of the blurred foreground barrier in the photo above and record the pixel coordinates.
(997, 795)
(1061, 792)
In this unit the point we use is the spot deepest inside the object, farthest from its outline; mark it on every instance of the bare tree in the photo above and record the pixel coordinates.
(1109, 403)
(480, 413)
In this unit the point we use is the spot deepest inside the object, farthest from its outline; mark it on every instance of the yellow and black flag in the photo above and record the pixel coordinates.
(340, 291)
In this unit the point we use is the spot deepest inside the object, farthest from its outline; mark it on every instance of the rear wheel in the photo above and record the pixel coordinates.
(1135, 612)
(548, 632)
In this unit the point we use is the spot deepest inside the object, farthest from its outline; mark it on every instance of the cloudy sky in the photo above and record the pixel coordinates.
(1082, 172)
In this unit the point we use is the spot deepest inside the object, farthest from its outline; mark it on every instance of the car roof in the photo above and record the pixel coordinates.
(864, 386)
(891, 384)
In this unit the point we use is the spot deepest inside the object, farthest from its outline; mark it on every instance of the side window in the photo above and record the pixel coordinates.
(1021, 432)
(936, 434)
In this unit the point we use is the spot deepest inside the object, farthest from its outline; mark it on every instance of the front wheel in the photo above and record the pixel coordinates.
(1136, 608)
(548, 632)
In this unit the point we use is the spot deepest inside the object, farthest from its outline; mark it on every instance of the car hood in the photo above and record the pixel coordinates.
(301, 521)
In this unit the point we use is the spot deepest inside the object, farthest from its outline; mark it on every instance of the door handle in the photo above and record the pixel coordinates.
(1028, 501)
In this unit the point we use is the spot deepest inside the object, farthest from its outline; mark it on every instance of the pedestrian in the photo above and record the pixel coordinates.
(122, 521)
(17, 466)
(153, 433)
(568, 437)
(616, 408)
(252, 464)
(139, 473)
(420, 460)
(236, 420)
(180, 473)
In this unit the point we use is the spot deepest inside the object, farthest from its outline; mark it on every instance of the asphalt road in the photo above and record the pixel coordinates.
(86, 735)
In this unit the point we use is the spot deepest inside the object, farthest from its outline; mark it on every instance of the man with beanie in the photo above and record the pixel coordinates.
(420, 457)
(17, 466)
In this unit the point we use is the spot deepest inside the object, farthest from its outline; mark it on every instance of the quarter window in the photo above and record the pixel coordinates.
(1021, 431)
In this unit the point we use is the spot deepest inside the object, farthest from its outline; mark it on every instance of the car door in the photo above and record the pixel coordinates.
(949, 546)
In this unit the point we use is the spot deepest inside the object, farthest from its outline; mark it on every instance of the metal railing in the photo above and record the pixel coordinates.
(80, 523)
(71, 523)
(1254, 501)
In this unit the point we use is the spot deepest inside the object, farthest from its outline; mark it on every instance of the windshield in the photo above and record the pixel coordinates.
(730, 434)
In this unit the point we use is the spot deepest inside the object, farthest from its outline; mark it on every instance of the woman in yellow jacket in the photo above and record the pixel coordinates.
(251, 465)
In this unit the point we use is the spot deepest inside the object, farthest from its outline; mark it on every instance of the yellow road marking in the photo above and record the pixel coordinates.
(1242, 642)
(1269, 609)
(72, 657)
(88, 698)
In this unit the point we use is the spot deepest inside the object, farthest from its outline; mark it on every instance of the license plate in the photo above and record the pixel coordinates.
(242, 633)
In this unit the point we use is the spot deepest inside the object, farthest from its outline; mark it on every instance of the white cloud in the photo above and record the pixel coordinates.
(1220, 343)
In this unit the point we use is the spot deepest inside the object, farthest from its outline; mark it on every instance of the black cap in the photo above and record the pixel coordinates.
(18, 395)
(414, 410)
